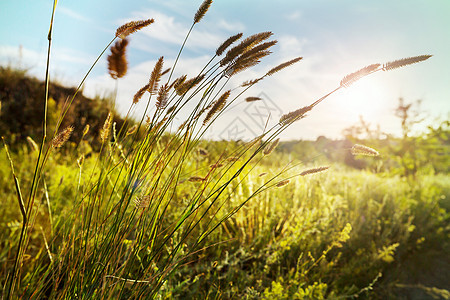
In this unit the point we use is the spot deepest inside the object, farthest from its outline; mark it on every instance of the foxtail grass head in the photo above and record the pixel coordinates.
(271, 147)
(351, 78)
(404, 62)
(61, 138)
(117, 61)
(202, 10)
(131, 27)
(363, 150)
(283, 66)
(227, 43)
(218, 105)
(104, 133)
(313, 171)
(282, 183)
(293, 116)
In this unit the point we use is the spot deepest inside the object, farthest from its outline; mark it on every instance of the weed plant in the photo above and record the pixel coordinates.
(135, 216)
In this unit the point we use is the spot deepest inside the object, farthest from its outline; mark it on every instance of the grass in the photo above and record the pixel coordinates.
(148, 215)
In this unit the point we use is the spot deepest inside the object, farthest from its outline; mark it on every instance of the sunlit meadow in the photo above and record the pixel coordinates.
(101, 202)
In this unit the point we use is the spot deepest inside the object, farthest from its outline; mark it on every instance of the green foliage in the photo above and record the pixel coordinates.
(414, 152)
(22, 107)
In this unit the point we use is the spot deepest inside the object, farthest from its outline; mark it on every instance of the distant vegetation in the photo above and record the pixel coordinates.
(98, 206)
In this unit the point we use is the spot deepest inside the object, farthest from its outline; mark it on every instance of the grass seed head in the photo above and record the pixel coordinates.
(363, 150)
(218, 105)
(271, 147)
(131, 27)
(313, 171)
(117, 60)
(351, 78)
(404, 62)
(227, 43)
(104, 132)
(140, 93)
(155, 76)
(244, 46)
(163, 97)
(283, 65)
(142, 202)
(62, 137)
(132, 130)
(196, 179)
(202, 10)
(252, 99)
(294, 115)
(186, 85)
(282, 183)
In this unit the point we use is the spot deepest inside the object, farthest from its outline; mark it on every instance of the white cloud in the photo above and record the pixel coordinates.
(293, 16)
(72, 14)
(232, 27)
(167, 30)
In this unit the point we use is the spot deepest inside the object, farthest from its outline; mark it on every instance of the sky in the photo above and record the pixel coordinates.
(335, 38)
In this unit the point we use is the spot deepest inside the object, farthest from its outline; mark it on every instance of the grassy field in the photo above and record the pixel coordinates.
(99, 206)
(340, 233)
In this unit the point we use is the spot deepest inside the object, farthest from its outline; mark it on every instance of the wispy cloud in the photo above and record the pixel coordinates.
(231, 27)
(167, 29)
(295, 15)
(72, 14)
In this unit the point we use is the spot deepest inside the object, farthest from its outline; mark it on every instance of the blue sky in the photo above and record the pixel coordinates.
(334, 37)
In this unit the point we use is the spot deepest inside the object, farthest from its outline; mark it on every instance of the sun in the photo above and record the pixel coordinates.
(367, 98)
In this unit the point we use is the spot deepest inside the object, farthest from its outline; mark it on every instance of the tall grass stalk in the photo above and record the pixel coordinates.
(144, 212)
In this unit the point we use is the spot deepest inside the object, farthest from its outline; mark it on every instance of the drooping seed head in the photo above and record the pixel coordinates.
(117, 61)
